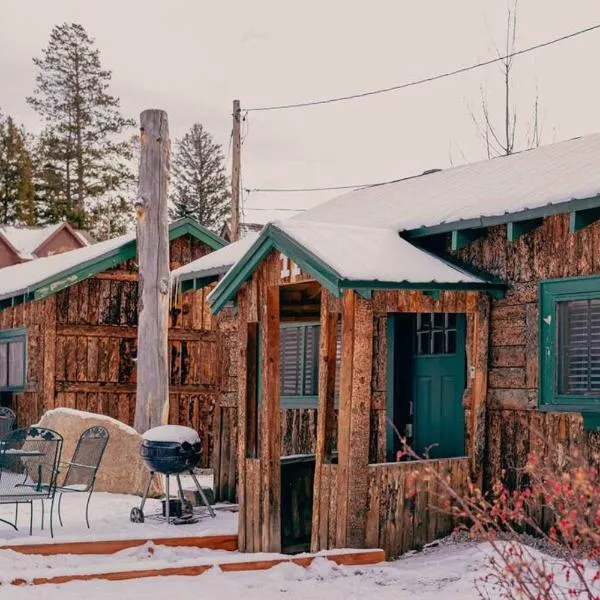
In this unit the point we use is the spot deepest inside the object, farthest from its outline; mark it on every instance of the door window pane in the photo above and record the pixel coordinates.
(435, 333)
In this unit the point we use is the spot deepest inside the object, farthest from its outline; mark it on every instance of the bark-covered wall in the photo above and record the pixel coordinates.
(548, 252)
(82, 345)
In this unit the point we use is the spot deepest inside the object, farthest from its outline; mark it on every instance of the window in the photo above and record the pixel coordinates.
(436, 333)
(570, 344)
(13, 346)
(299, 355)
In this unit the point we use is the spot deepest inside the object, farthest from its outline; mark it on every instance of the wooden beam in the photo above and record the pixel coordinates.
(211, 542)
(271, 417)
(515, 229)
(340, 557)
(463, 237)
(122, 331)
(49, 328)
(152, 405)
(99, 387)
(234, 222)
(325, 413)
(354, 420)
(582, 218)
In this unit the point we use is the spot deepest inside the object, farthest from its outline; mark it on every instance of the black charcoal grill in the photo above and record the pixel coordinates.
(171, 450)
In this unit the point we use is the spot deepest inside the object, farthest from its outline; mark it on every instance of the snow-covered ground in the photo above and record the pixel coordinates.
(446, 573)
(109, 519)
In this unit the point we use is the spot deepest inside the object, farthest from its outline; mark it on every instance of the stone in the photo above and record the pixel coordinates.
(122, 469)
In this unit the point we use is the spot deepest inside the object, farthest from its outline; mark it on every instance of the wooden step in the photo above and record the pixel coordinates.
(211, 542)
(361, 557)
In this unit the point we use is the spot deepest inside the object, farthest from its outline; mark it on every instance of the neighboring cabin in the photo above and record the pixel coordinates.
(68, 334)
(22, 244)
(469, 307)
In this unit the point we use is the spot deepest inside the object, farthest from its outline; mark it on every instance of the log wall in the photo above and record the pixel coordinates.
(82, 344)
(408, 505)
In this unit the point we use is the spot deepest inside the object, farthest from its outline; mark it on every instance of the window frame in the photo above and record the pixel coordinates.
(302, 401)
(551, 293)
(17, 334)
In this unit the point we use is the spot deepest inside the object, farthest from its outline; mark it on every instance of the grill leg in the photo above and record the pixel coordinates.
(168, 499)
(203, 495)
(179, 486)
(147, 491)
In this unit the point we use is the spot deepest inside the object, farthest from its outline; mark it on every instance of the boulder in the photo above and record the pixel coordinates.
(122, 469)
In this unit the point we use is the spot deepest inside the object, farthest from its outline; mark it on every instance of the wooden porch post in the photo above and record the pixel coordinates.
(270, 420)
(354, 420)
(325, 420)
(481, 333)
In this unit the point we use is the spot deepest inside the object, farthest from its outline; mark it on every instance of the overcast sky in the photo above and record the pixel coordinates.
(192, 58)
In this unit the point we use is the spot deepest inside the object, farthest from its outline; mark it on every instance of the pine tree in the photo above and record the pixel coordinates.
(81, 150)
(17, 194)
(200, 187)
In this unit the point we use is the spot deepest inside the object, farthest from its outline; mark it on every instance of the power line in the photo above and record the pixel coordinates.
(278, 209)
(426, 79)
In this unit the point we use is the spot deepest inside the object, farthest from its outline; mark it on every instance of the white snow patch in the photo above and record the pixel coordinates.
(172, 433)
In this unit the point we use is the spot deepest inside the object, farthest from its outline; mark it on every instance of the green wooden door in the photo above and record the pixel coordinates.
(438, 383)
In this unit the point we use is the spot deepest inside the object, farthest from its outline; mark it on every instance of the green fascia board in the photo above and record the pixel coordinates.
(272, 239)
(113, 258)
(556, 208)
(515, 229)
(185, 225)
(495, 289)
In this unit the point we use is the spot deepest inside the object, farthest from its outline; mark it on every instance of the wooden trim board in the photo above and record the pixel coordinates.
(364, 557)
(210, 542)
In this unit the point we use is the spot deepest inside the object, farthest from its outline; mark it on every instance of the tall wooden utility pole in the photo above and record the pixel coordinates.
(152, 401)
(234, 223)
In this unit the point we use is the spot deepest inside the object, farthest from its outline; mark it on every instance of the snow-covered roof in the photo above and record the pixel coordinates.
(22, 278)
(49, 274)
(217, 262)
(26, 240)
(509, 184)
(358, 253)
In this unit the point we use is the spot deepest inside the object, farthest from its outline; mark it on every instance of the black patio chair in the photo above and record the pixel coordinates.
(83, 467)
(29, 460)
(7, 421)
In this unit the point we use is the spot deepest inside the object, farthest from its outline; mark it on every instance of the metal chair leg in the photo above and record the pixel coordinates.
(31, 517)
(59, 515)
(87, 506)
(43, 511)
(16, 515)
(203, 495)
(51, 515)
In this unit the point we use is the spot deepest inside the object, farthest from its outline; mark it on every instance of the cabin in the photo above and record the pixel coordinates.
(68, 334)
(22, 244)
(458, 310)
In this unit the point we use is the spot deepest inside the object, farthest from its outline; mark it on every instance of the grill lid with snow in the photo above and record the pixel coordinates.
(172, 433)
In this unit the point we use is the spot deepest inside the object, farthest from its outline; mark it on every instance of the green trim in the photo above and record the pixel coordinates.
(515, 229)
(435, 294)
(390, 385)
(551, 292)
(108, 260)
(582, 218)
(495, 289)
(522, 215)
(270, 239)
(19, 333)
(463, 237)
(299, 402)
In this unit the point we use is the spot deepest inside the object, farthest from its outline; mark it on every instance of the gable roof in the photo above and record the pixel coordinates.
(216, 263)
(26, 241)
(349, 257)
(48, 275)
(548, 180)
